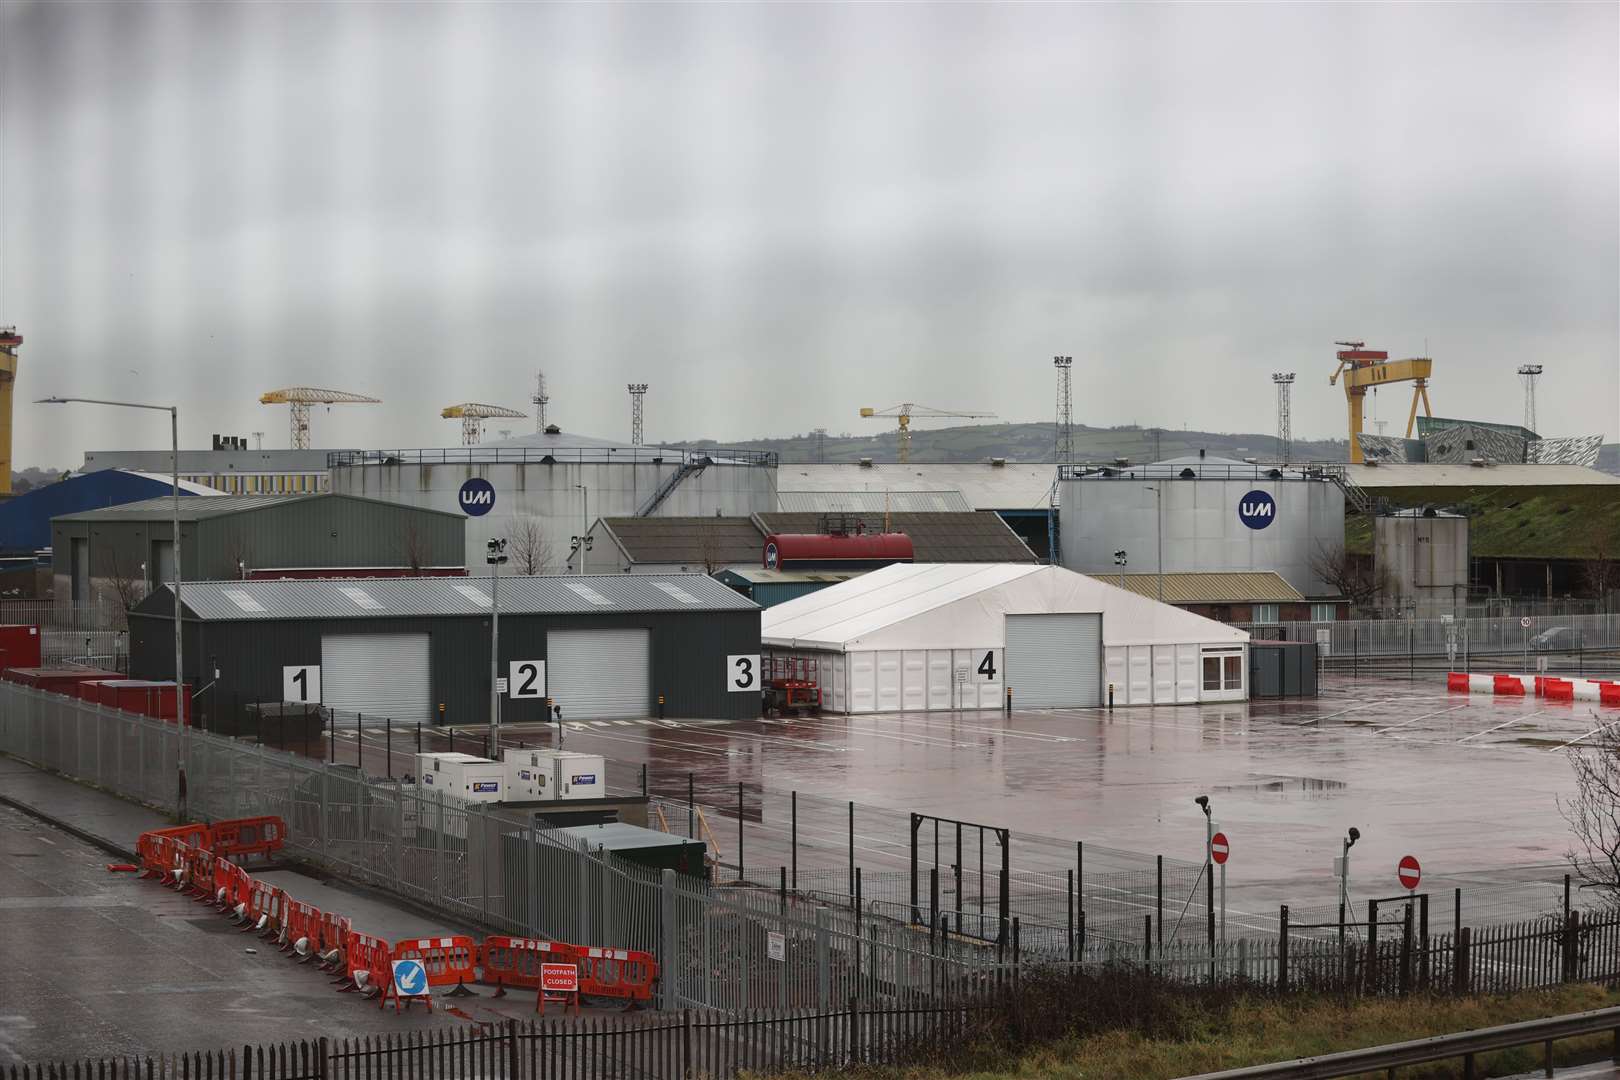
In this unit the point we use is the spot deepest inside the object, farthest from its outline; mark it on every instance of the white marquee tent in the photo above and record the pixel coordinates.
(956, 636)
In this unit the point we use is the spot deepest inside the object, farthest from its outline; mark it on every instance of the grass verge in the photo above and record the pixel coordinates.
(1227, 1034)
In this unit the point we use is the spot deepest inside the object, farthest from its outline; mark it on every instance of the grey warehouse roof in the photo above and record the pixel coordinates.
(162, 508)
(372, 598)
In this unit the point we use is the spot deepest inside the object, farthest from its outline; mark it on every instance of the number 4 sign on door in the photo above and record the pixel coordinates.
(742, 673)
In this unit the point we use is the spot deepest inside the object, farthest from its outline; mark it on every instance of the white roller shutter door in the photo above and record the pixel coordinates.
(596, 674)
(386, 676)
(1054, 661)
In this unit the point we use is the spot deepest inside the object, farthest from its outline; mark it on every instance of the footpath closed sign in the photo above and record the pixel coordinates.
(559, 978)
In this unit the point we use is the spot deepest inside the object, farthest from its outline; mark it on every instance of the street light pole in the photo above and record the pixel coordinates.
(180, 703)
(1158, 517)
(496, 556)
(584, 525)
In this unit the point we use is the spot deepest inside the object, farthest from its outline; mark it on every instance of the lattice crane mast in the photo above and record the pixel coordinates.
(472, 416)
(302, 397)
(904, 412)
(1363, 367)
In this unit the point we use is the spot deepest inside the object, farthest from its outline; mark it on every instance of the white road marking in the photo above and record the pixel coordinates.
(1583, 738)
(1498, 727)
(1415, 719)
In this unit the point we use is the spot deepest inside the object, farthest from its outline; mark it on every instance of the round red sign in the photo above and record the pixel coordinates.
(1409, 872)
(1219, 849)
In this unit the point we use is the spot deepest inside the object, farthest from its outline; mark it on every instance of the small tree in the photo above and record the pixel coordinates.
(1593, 813)
(527, 546)
(1357, 580)
(416, 549)
(709, 548)
(125, 582)
(239, 550)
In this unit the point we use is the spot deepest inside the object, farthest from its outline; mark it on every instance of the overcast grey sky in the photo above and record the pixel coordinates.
(777, 214)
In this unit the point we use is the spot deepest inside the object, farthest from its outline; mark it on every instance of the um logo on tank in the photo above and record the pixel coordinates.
(1257, 509)
(477, 497)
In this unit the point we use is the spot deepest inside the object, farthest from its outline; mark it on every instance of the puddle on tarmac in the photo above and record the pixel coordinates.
(1308, 785)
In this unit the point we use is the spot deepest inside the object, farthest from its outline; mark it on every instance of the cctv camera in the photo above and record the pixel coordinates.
(1355, 834)
(1203, 804)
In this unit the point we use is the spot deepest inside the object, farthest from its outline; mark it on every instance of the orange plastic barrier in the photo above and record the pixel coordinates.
(366, 965)
(277, 912)
(303, 925)
(231, 884)
(515, 961)
(616, 973)
(256, 913)
(448, 961)
(246, 837)
(1559, 690)
(1508, 685)
(200, 874)
(1457, 680)
(335, 930)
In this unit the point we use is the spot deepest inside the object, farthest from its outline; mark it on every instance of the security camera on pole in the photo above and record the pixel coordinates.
(1343, 868)
(1209, 871)
(1120, 559)
(496, 556)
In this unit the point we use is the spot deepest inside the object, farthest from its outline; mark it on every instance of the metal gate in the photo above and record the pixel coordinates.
(381, 675)
(599, 673)
(1054, 661)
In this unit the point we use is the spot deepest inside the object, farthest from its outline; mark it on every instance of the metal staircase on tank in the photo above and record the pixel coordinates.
(1339, 477)
(671, 482)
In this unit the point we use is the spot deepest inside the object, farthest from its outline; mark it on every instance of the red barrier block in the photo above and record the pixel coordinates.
(1559, 690)
(1609, 694)
(1457, 680)
(1508, 685)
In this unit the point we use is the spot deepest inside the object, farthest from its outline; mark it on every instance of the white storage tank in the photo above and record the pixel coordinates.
(461, 776)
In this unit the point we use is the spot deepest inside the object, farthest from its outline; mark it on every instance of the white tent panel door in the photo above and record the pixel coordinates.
(914, 680)
(1186, 674)
(838, 668)
(1164, 674)
(862, 682)
(941, 677)
(980, 679)
(598, 674)
(386, 676)
(1054, 661)
(888, 681)
(1117, 655)
(1140, 667)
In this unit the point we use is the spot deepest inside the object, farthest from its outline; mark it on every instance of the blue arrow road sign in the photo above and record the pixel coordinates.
(410, 978)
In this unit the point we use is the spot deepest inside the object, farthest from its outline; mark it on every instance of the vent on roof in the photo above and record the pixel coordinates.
(998, 463)
(476, 595)
(1187, 474)
(675, 591)
(1122, 461)
(244, 601)
(866, 463)
(1479, 463)
(553, 429)
(360, 597)
(588, 593)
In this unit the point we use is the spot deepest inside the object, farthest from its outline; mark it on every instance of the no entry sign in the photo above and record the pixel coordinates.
(1219, 849)
(1409, 872)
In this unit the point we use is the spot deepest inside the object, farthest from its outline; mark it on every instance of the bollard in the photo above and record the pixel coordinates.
(1110, 697)
(1009, 701)
(660, 706)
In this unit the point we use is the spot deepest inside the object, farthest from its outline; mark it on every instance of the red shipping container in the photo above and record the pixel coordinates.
(87, 690)
(144, 696)
(58, 680)
(19, 646)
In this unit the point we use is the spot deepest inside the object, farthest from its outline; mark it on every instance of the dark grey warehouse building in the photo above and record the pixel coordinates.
(400, 648)
(118, 549)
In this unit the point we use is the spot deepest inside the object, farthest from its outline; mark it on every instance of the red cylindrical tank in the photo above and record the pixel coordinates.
(814, 549)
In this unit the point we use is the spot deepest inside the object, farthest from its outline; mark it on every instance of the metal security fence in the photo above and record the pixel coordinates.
(1562, 639)
(687, 1044)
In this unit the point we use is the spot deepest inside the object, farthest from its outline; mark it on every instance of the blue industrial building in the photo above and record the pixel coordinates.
(25, 521)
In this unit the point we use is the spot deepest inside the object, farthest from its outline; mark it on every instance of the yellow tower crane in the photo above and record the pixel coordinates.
(1363, 367)
(472, 416)
(302, 397)
(906, 411)
(9, 340)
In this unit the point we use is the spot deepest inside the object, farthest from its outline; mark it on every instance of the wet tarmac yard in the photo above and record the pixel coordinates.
(1468, 784)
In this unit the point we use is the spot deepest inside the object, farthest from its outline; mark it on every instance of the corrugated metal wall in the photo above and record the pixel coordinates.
(688, 656)
(302, 533)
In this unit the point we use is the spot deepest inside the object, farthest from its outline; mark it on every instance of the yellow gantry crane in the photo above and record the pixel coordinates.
(1363, 367)
(906, 411)
(472, 416)
(9, 340)
(302, 397)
